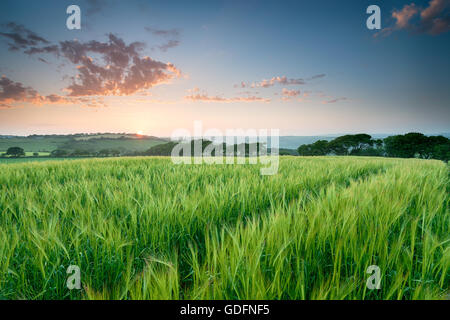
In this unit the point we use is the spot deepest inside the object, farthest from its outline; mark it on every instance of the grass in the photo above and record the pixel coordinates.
(143, 228)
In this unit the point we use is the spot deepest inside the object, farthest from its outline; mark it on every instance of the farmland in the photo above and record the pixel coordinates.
(144, 228)
(88, 142)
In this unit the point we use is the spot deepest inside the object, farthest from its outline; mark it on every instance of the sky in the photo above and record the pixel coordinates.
(152, 67)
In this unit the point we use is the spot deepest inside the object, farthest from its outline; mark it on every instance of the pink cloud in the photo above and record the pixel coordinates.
(403, 16)
(13, 93)
(290, 93)
(434, 19)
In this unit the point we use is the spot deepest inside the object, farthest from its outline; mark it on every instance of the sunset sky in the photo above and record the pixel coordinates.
(304, 67)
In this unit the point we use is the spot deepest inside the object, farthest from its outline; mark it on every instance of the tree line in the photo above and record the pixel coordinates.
(410, 145)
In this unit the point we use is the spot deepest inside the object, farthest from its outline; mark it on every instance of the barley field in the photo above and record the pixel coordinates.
(144, 228)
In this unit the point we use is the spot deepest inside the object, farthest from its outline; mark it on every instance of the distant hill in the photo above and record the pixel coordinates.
(86, 142)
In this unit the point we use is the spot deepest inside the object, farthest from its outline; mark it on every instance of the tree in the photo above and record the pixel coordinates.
(161, 149)
(15, 152)
(438, 148)
(318, 148)
(410, 145)
(350, 144)
(59, 153)
(441, 152)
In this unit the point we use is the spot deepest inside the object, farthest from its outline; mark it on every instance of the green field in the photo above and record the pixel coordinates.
(122, 142)
(143, 228)
(33, 159)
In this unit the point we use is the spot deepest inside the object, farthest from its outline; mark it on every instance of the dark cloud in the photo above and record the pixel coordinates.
(168, 45)
(163, 32)
(317, 76)
(174, 34)
(20, 37)
(435, 19)
(335, 100)
(47, 49)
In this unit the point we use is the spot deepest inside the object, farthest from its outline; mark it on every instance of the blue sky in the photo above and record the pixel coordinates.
(345, 78)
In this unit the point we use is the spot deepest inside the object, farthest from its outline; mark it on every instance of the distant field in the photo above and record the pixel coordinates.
(29, 144)
(31, 153)
(31, 159)
(90, 143)
(144, 228)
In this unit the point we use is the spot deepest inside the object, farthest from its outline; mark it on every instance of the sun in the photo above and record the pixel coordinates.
(140, 132)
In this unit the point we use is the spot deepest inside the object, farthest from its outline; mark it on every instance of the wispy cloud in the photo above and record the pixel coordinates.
(289, 94)
(317, 76)
(163, 32)
(334, 100)
(281, 80)
(172, 34)
(169, 44)
(204, 97)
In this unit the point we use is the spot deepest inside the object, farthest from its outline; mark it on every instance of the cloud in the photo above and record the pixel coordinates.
(404, 16)
(334, 100)
(170, 44)
(206, 98)
(282, 80)
(21, 37)
(277, 80)
(109, 68)
(434, 19)
(163, 32)
(13, 93)
(240, 85)
(120, 70)
(317, 76)
(4, 106)
(173, 34)
(47, 49)
(289, 94)
(123, 72)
